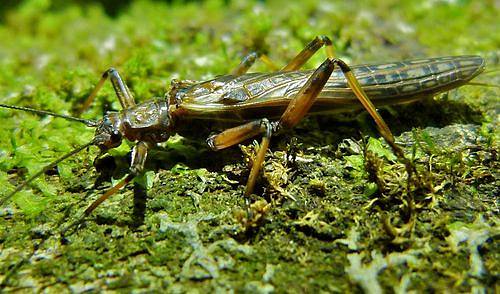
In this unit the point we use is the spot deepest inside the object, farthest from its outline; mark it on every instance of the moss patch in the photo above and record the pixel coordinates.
(331, 210)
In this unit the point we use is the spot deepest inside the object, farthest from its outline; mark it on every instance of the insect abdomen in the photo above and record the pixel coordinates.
(410, 78)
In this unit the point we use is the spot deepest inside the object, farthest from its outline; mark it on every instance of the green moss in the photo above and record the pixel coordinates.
(337, 217)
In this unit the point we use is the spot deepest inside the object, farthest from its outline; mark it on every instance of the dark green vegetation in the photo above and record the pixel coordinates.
(338, 217)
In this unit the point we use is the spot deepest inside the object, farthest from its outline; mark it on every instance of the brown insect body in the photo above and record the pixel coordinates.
(192, 107)
(262, 103)
(148, 121)
(255, 95)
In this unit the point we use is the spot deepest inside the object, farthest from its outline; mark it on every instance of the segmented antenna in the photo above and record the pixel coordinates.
(482, 85)
(45, 169)
(88, 122)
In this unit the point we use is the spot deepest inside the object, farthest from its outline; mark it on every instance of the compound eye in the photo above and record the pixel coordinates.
(116, 136)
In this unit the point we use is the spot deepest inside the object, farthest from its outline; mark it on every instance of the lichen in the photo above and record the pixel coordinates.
(334, 210)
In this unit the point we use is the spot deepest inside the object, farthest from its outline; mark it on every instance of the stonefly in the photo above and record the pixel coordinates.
(245, 105)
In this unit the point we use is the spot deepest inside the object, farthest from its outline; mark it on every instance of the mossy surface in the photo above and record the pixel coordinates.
(334, 219)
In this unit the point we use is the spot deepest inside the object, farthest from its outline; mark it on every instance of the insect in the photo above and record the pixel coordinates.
(246, 105)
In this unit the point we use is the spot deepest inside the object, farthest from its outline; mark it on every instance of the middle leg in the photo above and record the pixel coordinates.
(298, 106)
(296, 63)
(296, 110)
(249, 60)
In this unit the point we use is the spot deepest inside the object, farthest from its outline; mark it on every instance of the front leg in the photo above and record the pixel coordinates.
(122, 92)
(139, 155)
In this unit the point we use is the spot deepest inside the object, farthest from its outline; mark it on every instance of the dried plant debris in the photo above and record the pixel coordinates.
(334, 209)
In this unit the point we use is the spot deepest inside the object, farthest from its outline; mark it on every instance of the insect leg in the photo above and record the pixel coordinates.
(108, 194)
(298, 61)
(249, 60)
(122, 92)
(293, 114)
(241, 133)
(296, 110)
(288, 120)
(236, 135)
(259, 159)
(300, 104)
(353, 83)
(139, 155)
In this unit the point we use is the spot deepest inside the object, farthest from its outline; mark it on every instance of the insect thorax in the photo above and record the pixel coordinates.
(148, 121)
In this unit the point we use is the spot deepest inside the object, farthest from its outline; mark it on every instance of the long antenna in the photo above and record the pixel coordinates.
(45, 169)
(482, 85)
(88, 122)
